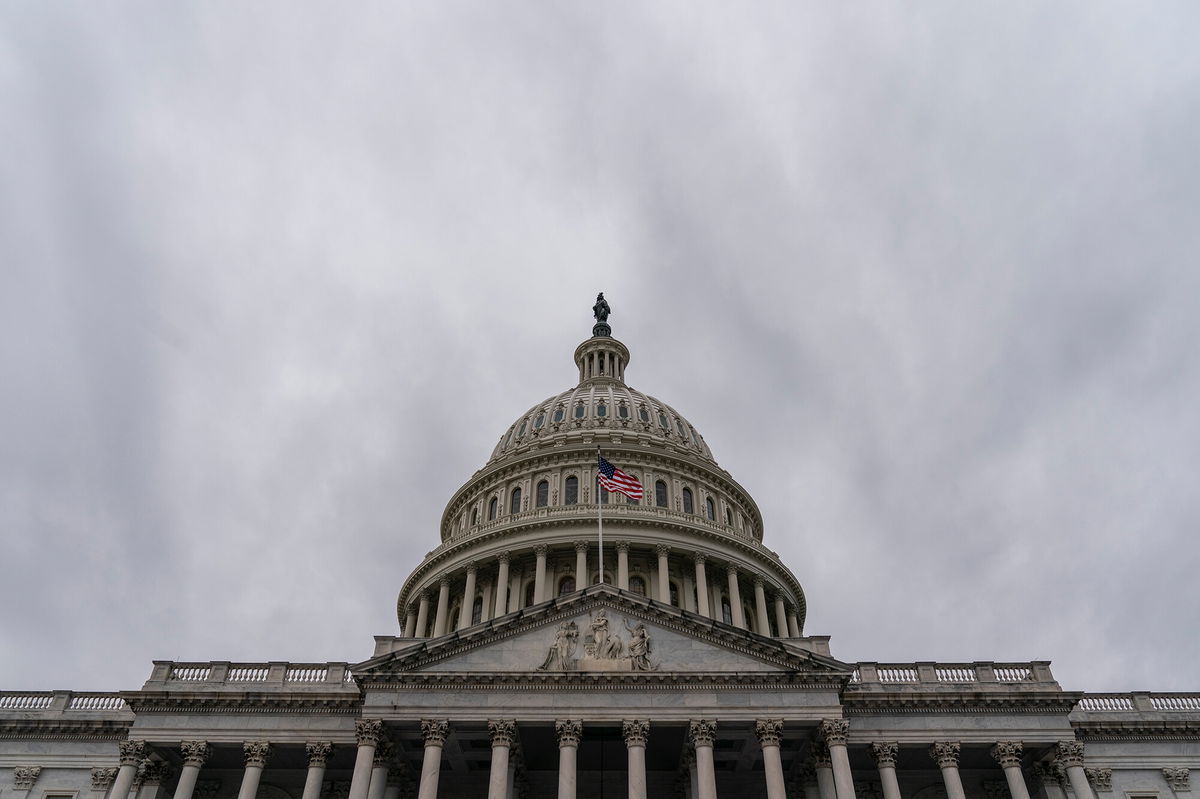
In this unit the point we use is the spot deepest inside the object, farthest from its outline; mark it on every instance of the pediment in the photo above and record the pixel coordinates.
(604, 631)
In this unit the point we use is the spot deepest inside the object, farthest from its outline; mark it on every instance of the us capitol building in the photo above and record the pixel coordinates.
(526, 668)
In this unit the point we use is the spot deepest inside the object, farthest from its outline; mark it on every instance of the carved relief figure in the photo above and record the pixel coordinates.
(561, 655)
(639, 647)
(603, 645)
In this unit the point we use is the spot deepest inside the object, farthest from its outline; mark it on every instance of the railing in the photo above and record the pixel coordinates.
(218, 673)
(979, 673)
(96, 702)
(1139, 702)
(61, 701)
(611, 510)
(26, 701)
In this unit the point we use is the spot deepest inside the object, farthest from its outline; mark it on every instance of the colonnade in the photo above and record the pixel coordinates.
(505, 598)
(829, 778)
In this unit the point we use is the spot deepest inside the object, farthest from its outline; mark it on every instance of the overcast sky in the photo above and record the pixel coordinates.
(275, 278)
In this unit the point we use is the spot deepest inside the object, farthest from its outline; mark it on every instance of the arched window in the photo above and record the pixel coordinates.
(662, 421)
(674, 594)
(558, 414)
(637, 585)
(710, 509)
(474, 516)
(543, 493)
(539, 421)
(726, 610)
(687, 501)
(515, 505)
(477, 610)
(579, 411)
(521, 432)
(643, 414)
(603, 495)
(729, 517)
(660, 494)
(566, 585)
(529, 593)
(601, 410)
(749, 617)
(492, 509)
(572, 492)
(455, 615)
(623, 411)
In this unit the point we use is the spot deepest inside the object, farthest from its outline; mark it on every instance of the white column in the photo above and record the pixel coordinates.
(760, 608)
(395, 781)
(318, 754)
(701, 585)
(1070, 754)
(793, 623)
(502, 732)
(885, 759)
(468, 603)
(380, 764)
(502, 584)
(423, 615)
(569, 733)
(635, 733)
(780, 616)
(257, 753)
(664, 574)
(808, 783)
(1008, 755)
(702, 733)
(689, 762)
(367, 732)
(836, 731)
(770, 732)
(195, 754)
(132, 754)
(945, 754)
(539, 578)
(435, 733)
(623, 565)
(443, 608)
(735, 597)
(581, 572)
(410, 623)
(823, 765)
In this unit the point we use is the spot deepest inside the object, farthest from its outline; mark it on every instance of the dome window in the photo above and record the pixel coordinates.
(674, 594)
(678, 426)
(710, 510)
(539, 421)
(572, 492)
(688, 507)
(644, 414)
(521, 432)
(492, 509)
(477, 610)
(623, 411)
(637, 585)
(660, 494)
(558, 414)
(529, 593)
(566, 586)
(474, 516)
(662, 421)
(579, 411)
(515, 505)
(603, 495)
(602, 410)
(729, 517)
(726, 610)
(542, 498)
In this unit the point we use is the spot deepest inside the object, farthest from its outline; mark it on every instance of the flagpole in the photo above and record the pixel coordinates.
(599, 516)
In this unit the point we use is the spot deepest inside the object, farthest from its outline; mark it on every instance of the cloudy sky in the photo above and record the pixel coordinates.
(275, 279)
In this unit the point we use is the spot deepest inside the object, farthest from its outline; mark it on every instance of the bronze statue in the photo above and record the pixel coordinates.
(601, 310)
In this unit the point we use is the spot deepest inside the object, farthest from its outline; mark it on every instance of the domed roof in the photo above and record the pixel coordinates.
(601, 407)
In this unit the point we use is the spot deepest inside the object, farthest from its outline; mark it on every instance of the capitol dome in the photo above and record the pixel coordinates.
(524, 529)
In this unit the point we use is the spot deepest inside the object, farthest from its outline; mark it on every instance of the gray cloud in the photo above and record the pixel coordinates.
(276, 280)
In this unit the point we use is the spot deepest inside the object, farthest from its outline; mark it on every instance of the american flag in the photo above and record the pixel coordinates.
(614, 479)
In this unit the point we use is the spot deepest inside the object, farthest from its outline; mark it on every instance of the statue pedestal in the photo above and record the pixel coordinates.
(601, 329)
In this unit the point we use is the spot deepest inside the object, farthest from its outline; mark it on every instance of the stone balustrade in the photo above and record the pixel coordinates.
(979, 675)
(278, 674)
(1139, 702)
(612, 511)
(59, 702)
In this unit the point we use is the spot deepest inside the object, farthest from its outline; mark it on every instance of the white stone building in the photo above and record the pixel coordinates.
(524, 668)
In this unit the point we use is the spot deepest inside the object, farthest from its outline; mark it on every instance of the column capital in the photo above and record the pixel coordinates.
(662, 550)
(581, 546)
(635, 731)
(699, 558)
(820, 754)
(835, 731)
(434, 731)
(502, 731)
(884, 753)
(769, 731)
(569, 732)
(25, 776)
(385, 750)
(701, 732)
(1178, 778)
(318, 752)
(541, 550)
(1044, 773)
(622, 546)
(759, 582)
(444, 581)
(368, 731)
(472, 567)
(131, 752)
(102, 778)
(1100, 778)
(731, 569)
(195, 753)
(1008, 753)
(945, 753)
(504, 556)
(256, 752)
(1069, 753)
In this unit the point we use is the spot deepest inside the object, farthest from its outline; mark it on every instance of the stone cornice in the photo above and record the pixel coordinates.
(343, 703)
(1138, 730)
(958, 701)
(590, 681)
(65, 729)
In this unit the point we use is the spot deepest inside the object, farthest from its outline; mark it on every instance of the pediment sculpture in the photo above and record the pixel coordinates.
(603, 650)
